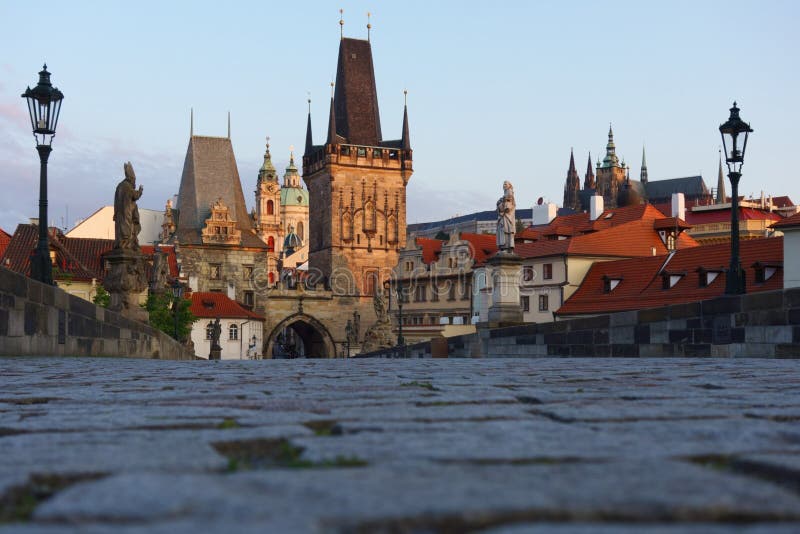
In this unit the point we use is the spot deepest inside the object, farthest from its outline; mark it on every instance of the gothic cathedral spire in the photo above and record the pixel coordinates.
(721, 197)
(588, 179)
(573, 186)
(643, 171)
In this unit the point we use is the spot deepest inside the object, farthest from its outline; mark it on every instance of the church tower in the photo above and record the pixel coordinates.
(573, 186)
(611, 174)
(588, 179)
(268, 212)
(643, 171)
(356, 182)
(294, 203)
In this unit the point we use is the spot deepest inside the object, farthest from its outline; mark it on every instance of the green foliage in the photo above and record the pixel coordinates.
(102, 298)
(159, 308)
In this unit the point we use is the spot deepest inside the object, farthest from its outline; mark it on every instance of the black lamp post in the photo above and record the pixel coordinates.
(734, 156)
(177, 293)
(400, 340)
(44, 106)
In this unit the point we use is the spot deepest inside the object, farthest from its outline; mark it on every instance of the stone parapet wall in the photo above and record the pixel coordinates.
(764, 325)
(41, 320)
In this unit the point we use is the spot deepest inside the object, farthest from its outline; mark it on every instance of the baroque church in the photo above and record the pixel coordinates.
(356, 190)
(611, 179)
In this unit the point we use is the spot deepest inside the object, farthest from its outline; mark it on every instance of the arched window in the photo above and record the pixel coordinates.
(300, 230)
(271, 244)
(370, 282)
(369, 216)
(270, 207)
(233, 332)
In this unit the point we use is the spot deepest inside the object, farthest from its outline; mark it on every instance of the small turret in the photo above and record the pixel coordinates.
(643, 171)
(309, 138)
(406, 140)
(721, 196)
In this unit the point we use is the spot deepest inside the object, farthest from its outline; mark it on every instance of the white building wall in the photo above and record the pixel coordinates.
(791, 257)
(100, 225)
(241, 348)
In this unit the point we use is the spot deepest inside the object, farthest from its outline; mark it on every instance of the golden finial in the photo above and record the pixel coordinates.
(267, 143)
(331, 89)
(369, 26)
(341, 23)
(405, 97)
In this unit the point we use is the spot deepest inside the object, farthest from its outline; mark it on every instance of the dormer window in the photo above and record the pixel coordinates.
(706, 277)
(610, 283)
(668, 280)
(765, 271)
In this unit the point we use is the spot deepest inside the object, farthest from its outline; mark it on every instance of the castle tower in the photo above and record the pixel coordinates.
(356, 182)
(268, 212)
(611, 174)
(643, 171)
(588, 179)
(573, 186)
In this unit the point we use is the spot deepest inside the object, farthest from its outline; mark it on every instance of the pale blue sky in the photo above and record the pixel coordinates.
(497, 91)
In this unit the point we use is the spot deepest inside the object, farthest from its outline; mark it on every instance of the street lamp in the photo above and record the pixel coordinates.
(177, 293)
(734, 156)
(400, 340)
(44, 106)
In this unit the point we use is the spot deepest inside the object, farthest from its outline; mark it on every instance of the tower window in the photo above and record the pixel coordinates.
(270, 207)
(271, 244)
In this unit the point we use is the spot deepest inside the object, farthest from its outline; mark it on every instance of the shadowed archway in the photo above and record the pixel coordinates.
(300, 335)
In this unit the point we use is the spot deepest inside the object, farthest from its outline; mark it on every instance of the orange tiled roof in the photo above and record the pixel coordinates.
(794, 220)
(211, 305)
(481, 246)
(641, 284)
(5, 239)
(431, 248)
(724, 215)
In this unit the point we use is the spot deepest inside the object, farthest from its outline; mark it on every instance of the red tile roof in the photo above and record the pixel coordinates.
(211, 305)
(724, 215)
(481, 246)
(431, 248)
(641, 282)
(782, 202)
(794, 220)
(5, 239)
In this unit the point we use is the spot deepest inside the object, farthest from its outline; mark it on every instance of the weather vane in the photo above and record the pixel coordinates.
(341, 23)
(369, 26)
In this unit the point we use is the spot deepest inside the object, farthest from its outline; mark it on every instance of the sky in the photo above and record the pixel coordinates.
(496, 91)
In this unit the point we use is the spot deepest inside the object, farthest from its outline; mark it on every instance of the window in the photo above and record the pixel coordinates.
(247, 272)
(544, 303)
(547, 271)
(249, 298)
(362, 152)
(270, 207)
(434, 292)
(527, 273)
(409, 266)
(525, 301)
(209, 330)
(464, 291)
(610, 283)
(214, 271)
(300, 229)
(669, 280)
(271, 244)
(451, 292)
(233, 332)
(370, 282)
(419, 293)
(707, 277)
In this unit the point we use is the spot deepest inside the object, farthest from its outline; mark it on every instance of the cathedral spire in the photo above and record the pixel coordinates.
(332, 121)
(721, 197)
(573, 186)
(309, 138)
(611, 159)
(643, 171)
(406, 138)
(588, 179)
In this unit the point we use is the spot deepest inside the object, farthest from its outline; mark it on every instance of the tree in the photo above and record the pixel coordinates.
(162, 315)
(102, 298)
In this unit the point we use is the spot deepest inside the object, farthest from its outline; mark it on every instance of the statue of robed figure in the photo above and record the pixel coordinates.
(506, 219)
(126, 213)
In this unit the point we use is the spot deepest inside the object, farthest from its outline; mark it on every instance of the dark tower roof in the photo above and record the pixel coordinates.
(356, 97)
(406, 140)
(210, 173)
(643, 171)
(309, 138)
(721, 196)
(588, 180)
(332, 135)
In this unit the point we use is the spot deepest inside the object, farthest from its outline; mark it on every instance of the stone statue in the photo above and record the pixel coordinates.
(506, 219)
(160, 273)
(379, 303)
(379, 335)
(126, 212)
(216, 332)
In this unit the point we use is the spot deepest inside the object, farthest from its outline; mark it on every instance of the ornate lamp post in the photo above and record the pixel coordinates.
(44, 106)
(734, 156)
(177, 293)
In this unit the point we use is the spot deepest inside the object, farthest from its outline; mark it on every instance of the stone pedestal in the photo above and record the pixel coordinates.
(505, 309)
(215, 353)
(126, 279)
(379, 336)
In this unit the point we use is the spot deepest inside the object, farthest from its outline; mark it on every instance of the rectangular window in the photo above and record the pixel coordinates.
(527, 273)
(233, 332)
(547, 271)
(419, 293)
(544, 304)
(249, 299)
(214, 271)
(434, 293)
(526, 303)
(464, 291)
(451, 292)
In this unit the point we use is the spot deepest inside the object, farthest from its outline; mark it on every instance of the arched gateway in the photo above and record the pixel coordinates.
(300, 335)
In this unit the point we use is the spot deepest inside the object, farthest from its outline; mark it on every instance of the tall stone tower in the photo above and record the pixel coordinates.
(611, 174)
(268, 205)
(573, 186)
(588, 178)
(356, 182)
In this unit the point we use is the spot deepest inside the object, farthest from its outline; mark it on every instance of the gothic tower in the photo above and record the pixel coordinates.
(643, 171)
(720, 197)
(294, 203)
(356, 182)
(611, 174)
(588, 179)
(268, 212)
(573, 186)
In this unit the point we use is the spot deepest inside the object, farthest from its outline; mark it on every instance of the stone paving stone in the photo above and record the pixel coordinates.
(570, 445)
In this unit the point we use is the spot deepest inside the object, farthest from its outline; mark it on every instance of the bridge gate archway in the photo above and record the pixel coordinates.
(300, 335)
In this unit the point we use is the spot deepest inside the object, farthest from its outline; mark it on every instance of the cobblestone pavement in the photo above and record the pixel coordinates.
(495, 446)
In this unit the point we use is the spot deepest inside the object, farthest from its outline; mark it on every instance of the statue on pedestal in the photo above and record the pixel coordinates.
(216, 349)
(379, 335)
(127, 275)
(506, 219)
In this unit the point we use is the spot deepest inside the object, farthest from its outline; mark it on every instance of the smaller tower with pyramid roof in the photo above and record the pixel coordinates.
(720, 197)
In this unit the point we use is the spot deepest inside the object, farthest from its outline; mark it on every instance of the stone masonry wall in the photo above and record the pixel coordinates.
(764, 325)
(41, 320)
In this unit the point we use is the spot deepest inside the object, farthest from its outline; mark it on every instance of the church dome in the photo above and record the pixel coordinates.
(292, 241)
(294, 196)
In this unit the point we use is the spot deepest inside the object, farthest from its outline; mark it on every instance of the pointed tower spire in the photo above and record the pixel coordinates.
(309, 139)
(267, 170)
(332, 122)
(572, 186)
(588, 179)
(406, 138)
(191, 122)
(229, 125)
(571, 162)
(721, 196)
(643, 172)
(611, 159)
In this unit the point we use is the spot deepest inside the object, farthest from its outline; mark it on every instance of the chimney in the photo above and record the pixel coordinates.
(595, 207)
(193, 283)
(679, 206)
(231, 291)
(544, 213)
